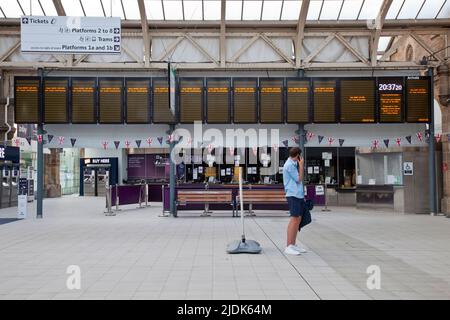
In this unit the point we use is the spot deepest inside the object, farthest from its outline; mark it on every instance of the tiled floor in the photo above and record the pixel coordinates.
(138, 255)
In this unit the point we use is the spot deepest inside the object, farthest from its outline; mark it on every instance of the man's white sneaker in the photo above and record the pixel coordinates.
(299, 249)
(290, 250)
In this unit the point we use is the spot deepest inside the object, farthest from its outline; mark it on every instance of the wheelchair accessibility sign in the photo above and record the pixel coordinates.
(408, 168)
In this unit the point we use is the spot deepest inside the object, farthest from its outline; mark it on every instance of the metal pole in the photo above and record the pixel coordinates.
(431, 150)
(40, 154)
(172, 175)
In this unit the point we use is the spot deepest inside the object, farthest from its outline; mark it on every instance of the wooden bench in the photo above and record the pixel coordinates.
(205, 197)
(261, 197)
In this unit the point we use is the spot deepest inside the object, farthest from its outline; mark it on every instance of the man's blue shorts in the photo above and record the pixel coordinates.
(296, 206)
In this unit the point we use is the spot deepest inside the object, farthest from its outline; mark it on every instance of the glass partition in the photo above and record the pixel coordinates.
(379, 169)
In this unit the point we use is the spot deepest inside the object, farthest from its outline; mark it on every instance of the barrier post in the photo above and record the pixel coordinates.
(164, 213)
(326, 199)
(109, 211)
(117, 198)
(146, 194)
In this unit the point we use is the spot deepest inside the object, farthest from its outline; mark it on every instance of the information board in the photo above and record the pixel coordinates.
(191, 100)
(358, 100)
(137, 100)
(110, 100)
(160, 102)
(56, 100)
(390, 99)
(271, 101)
(218, 100)
(418, 99)
(324, 101)
(26, 100)
(83, 100)
(297, 101)
(244, 106)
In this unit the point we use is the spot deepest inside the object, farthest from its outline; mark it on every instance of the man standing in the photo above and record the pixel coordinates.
(293, 187)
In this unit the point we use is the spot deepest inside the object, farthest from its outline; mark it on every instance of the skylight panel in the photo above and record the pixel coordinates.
(291, 10)
(251, 10)
(211, 10)
(410, 9)
(271, 10)
(370, 9)
(330, 10)
(173, 10)
(154, 9)
(314, 10)
(34, 10)
(430, 9)
(193, 10)
(350, 9)
(72, 8)
(93, 8)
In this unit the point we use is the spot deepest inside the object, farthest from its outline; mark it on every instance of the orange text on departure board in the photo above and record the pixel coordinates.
(217, 90)
(26, 89)
(324, 90)
(161, 90)
(418, 91)
(271, 90)
(298, 90)
(55, 89)
(244, 90)
(137, 90)
(82, 90)
(191, 90)
(110, 90)
(357, 99)
(390, 104)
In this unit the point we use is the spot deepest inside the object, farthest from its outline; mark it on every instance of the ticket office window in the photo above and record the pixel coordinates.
(321, 166)
(379, 169)
(346, 168)
(283, 154)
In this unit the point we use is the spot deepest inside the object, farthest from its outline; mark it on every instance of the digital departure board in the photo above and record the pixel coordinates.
(297, 101)
(244, 107)
(218, 101)
(160, 100)
(418, 99)
(26, 99)
(110, 100)
(271, 101)
(191, 100)
(390, 99)
(358, 100)
(324, 102)
(83, 100)
(56, 100)
(137, 100)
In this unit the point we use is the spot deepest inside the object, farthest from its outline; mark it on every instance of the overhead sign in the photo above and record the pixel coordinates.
(64, 34)
(408, 168)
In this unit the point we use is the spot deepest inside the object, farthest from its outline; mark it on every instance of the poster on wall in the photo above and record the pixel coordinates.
(408, 168)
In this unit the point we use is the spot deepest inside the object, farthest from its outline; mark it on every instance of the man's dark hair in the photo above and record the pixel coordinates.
(295, 152)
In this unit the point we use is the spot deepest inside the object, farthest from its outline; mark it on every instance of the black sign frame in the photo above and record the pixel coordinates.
(255, 79)
(68, 102)
(99, 80)
(149, 102)
(95, 99)
(309, 99)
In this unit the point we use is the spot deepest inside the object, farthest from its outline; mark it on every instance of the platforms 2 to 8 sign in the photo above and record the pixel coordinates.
(70, 34)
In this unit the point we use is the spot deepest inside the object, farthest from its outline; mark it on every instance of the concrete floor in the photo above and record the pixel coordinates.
(138, 255)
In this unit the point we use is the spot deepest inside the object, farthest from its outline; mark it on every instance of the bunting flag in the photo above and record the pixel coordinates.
(189, 141)
(309, 136)
(285, 143)
(398, 141)
(29, 141)
(127, 144)
(295, 139)
(275, 147)
(408, 138)
(17, 142)
(160, 140)
(438, 137)
(39, 138)
(419, 136)
(149, 141)
(231, 150)
(320, 138)
(330, 141)
(375, 144)
(105, 144)
(50, 138)
(255, 151)
(210, 148)
(72, 141)
(117, 143)
(138, 143)
(386, 142)
(61, 140)
(170, 138)
(341, 142)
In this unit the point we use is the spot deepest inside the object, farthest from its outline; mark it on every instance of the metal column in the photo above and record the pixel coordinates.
(172, 174)
(432, 150)
(40, 154)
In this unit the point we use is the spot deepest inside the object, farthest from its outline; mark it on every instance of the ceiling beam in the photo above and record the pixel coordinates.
(349, 46)
(59, 8)
(201, 49)
(319, 48)
(223, 48)
(170, 48)
(277, 50)
(10, 51)
(394, 47)
(145, 34)
(422, 43)
(301, 32)
(379, 22)
(244, 48)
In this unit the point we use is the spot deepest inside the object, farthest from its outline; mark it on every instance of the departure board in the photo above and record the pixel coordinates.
(244, 107)
(26, 100)
(271, 101)
(55, 100)
(297, 104)
(218, 101)
(324, 102)
(390, 99)
(110, 100)
(191, 100)
(137, 101)
(160, 100)
(83, 100)
(418, 99)
(358, 100)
